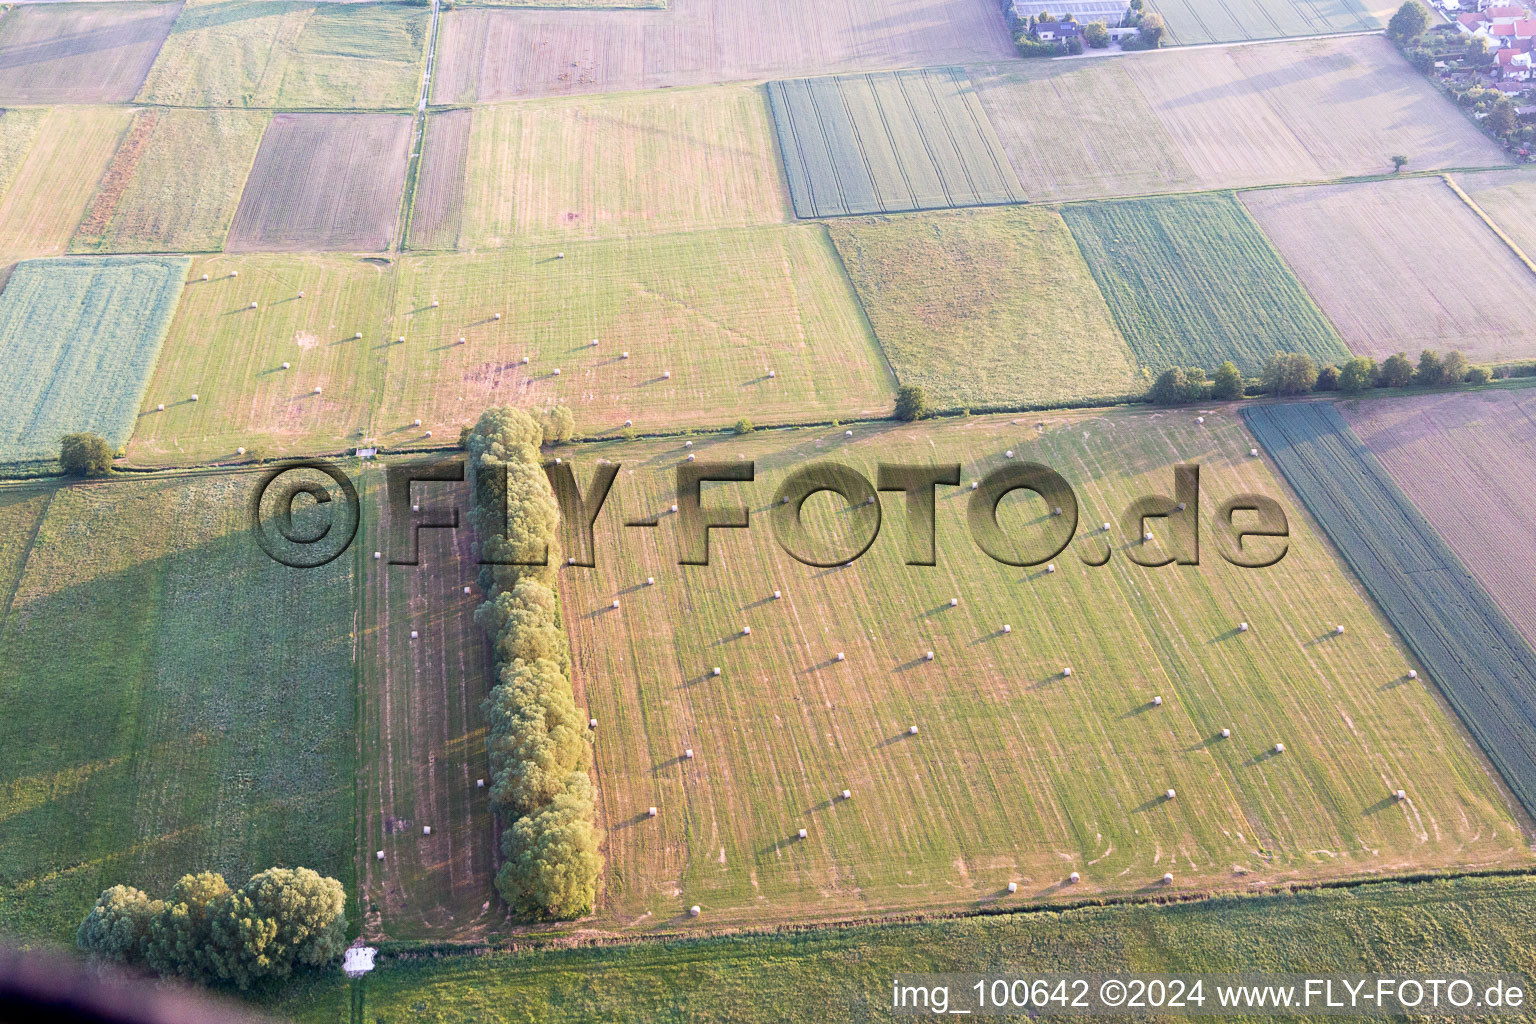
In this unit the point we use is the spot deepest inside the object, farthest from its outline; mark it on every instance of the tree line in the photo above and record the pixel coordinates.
(537, 742)
(1295, 373)
(204, 931)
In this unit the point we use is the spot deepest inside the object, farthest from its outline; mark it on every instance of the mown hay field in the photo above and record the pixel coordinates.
(1225, 21)
(68, 152)
(1481, 924)
(282, 53)
(1467, 461)
(1376, 257)
(1481, 663)
(437, 206)
(231, 357)
(987, 308)
(422, 732)
(1192, 281)
(487, 55)
(324, 182)
(176, 701)
(174, 183)
(1018, 773)
(1223, 117)
(1509, 197)
(705, 317)
(618, 166)
(78, 341)
(884, 143)
(79, 52)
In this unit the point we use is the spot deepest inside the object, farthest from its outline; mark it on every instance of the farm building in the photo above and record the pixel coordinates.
(1111, 12)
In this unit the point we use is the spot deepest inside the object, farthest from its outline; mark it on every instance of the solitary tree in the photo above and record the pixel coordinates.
(1409, 22)
(1454, 369)
(1501, 119)
(85, 454)
(1151, 29)
(1289, 373)
(1096, 34)
(1398, 163)
(911, 403)
(559, 424)
(1228, 382)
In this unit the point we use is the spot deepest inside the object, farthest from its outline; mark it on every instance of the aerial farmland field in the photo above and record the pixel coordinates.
(205, 720)
(1192, 281)
(174, 183)
(79, 52)
(1484, 667)
(79, 337)
(619, 166)
(1509, 197)
(885, 143)
(1079, 130)
(1221, 21)
(987, 308)
(1437, 449)
(437, 207)
(1223, 117)
(1374, 256)
(324, 182)
(487, 54)
(702, 331)
(292, 54)
(425, 668)
(1019, 772)
(71, 149)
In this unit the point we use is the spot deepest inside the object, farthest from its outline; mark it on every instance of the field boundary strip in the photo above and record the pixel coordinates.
(1474, 654)
(1492, 224)
(26, 555)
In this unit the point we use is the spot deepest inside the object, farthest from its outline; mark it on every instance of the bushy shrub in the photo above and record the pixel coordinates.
(1357, 375)
(1227, 385)
(1396, 372)
(911, 403)
(1289, 373)
(85, 454)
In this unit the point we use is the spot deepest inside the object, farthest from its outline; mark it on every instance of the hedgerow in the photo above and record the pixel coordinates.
(537, 740)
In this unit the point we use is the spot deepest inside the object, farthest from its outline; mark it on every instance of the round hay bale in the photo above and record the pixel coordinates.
(466, 590)
(1226, 734)
(462, 339)
(427, 434)
(928, 656)
(1199, 419)
(1157, 702)
(160, 407)
(413, 634)
(954, 602)
(803, 833)
(777, 595)
(912, 731)
(772, 374)
(377, 555)
(666, 374)
(629, 423)
(357, 335)
(234, 273)
(1007, 628)
(556, 371)
(1056, 511)
(1104, 527)
(285, 366)
(1013, 887)
(1147, 536)
(1338, 630)
(715, 671)
(650, 581)
(687, 444)
(317, 389)
(417, 422)
(1413, 674)
(379, 854)
(479, 783)
(1074, 878)
(688, 753)
(399, 339)
(495, 316)
(1168, 878)
(1170, 794)
(651, 813)
(1066, 671)
(746, 630)
(847, 794)
(974, 485)
(838, 656)
(525, 360)
(559, 255)
(426, 830)
(1180, 506)
(694, 911)
(1253, 452)
(690, 457)
(623, 355)
(594, 343)
(240, 450)
(1400, 795)
(205, 277)
(615, 604)
(1279, 748)
(194, 396)
(253, 305)
(847, 433)
(591, 723)
(1242, 627)
(1050, 567)
(674, 508)
(1008, 454)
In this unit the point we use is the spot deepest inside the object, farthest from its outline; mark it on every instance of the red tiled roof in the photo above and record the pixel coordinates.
(1497, 13)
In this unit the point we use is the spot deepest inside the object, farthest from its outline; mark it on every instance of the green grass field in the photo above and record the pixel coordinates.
(619, 165)
(716, 310)
(176, 191)
(81, 336)
(1018, 773)
(176, 701)
(986, 307)
(1192, 281)
(886, 142)
(282, 53)
(1434, 929)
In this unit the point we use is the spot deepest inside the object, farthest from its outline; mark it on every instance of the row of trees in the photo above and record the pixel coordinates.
(1294, 373)
(537, 741)
(204, 931)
